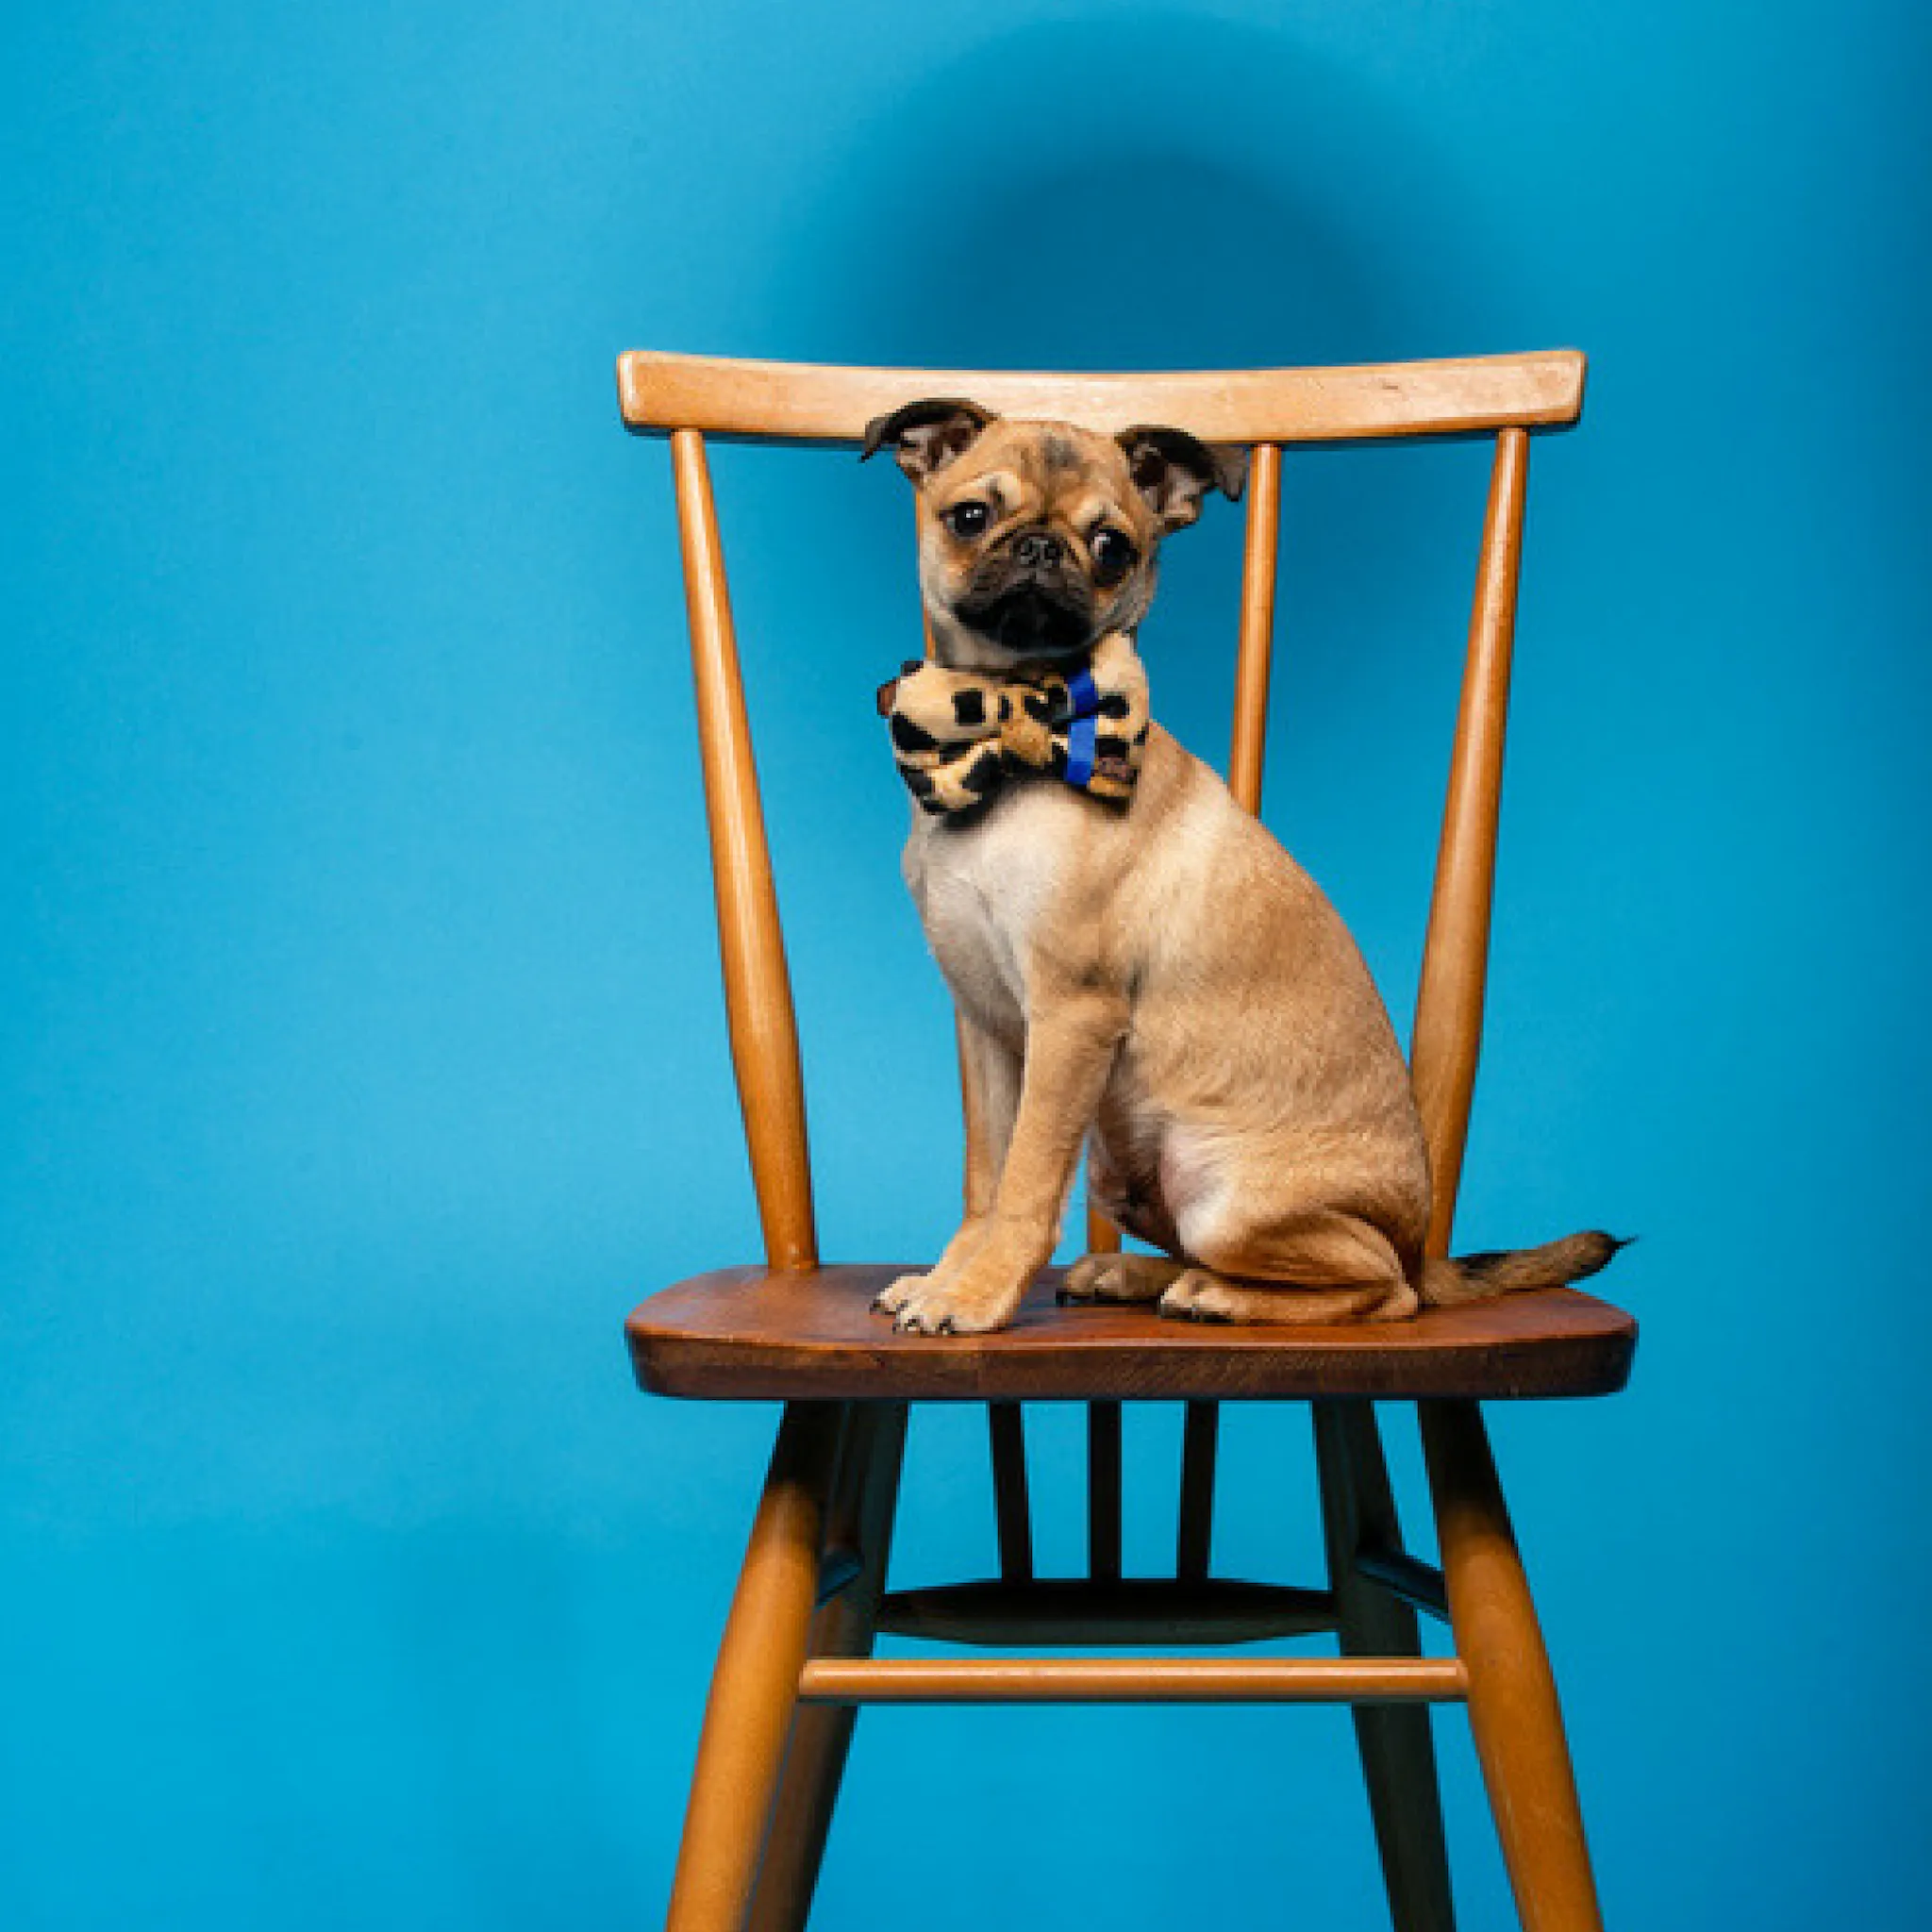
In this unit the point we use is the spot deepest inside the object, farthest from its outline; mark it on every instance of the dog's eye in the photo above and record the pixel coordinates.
(1113, 555)
(966, 519)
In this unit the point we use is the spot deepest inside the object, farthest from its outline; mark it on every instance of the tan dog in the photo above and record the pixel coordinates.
(1158, 974)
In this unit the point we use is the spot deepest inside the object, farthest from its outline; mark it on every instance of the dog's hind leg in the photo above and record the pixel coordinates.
(1199, 1295)
(1134, 1205)
(1320, 1265)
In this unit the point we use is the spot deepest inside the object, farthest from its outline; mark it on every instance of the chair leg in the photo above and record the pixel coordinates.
(1513, 1697)
(754, 1684)
(1398, 1749)
(861, 1523)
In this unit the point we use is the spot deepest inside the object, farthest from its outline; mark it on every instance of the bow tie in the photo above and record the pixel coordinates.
(958, 735)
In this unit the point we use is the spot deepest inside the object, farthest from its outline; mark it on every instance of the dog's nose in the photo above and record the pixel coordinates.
(1039, 550)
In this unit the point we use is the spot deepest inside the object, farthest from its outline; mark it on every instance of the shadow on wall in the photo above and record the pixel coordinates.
(1169, 193)
(1164, 191)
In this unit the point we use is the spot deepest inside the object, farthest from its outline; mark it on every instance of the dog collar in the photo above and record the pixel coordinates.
(958, 735)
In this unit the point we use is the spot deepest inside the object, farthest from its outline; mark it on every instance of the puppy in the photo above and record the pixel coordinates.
(1135, 962)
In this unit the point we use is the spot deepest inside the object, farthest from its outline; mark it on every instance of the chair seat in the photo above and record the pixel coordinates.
(758, 1334)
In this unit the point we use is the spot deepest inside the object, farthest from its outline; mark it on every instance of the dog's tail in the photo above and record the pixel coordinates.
(1482, 1277)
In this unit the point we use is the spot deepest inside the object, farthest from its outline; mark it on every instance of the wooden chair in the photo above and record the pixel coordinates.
(796, 1660)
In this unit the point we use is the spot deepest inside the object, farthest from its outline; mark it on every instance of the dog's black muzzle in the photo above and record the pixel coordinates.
(1030, 602)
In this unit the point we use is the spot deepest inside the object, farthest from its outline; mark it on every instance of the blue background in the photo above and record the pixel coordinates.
(363, 1056)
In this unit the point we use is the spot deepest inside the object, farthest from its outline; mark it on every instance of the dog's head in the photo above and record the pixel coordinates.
(1038, 538)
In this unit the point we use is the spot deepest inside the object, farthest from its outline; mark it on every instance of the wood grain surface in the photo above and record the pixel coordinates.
(755, 1333)
(817, 403)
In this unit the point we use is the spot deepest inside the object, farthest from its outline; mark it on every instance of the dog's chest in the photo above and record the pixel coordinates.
(983, 888)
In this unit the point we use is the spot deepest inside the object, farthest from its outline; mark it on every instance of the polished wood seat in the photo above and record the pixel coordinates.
(782, 1334)
(797, 1661)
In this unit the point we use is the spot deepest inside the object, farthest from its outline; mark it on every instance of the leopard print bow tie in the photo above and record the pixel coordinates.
(958, 735)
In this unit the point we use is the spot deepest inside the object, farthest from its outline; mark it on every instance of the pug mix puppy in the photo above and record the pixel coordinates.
(1144, 969)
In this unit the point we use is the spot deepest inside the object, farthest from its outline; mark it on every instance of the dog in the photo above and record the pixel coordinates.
(1137, 964)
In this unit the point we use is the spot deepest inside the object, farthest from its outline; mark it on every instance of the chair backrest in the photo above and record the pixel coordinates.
(692, 397)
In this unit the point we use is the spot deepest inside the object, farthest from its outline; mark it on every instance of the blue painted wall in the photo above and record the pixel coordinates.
(362, 1054)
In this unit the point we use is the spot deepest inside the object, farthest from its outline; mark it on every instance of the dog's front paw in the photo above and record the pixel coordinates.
(1105, 1277)
(893, 1297)
(928, 1305)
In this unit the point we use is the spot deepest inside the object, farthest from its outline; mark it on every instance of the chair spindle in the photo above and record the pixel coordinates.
(1103, 1237)
(1255, 655)
(1104, 1491)
(1007, 1432)
(1194, 1539)
(924, 615)
(757, 987)
(1253, 661)
(1449, 1007)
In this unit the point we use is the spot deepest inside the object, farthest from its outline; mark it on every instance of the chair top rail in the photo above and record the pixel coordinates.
(809, 402)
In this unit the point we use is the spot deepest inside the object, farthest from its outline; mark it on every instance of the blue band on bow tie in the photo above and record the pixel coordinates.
(1085, 698)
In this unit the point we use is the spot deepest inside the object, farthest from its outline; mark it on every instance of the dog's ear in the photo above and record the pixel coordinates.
(1174, 471)
(925, 436)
